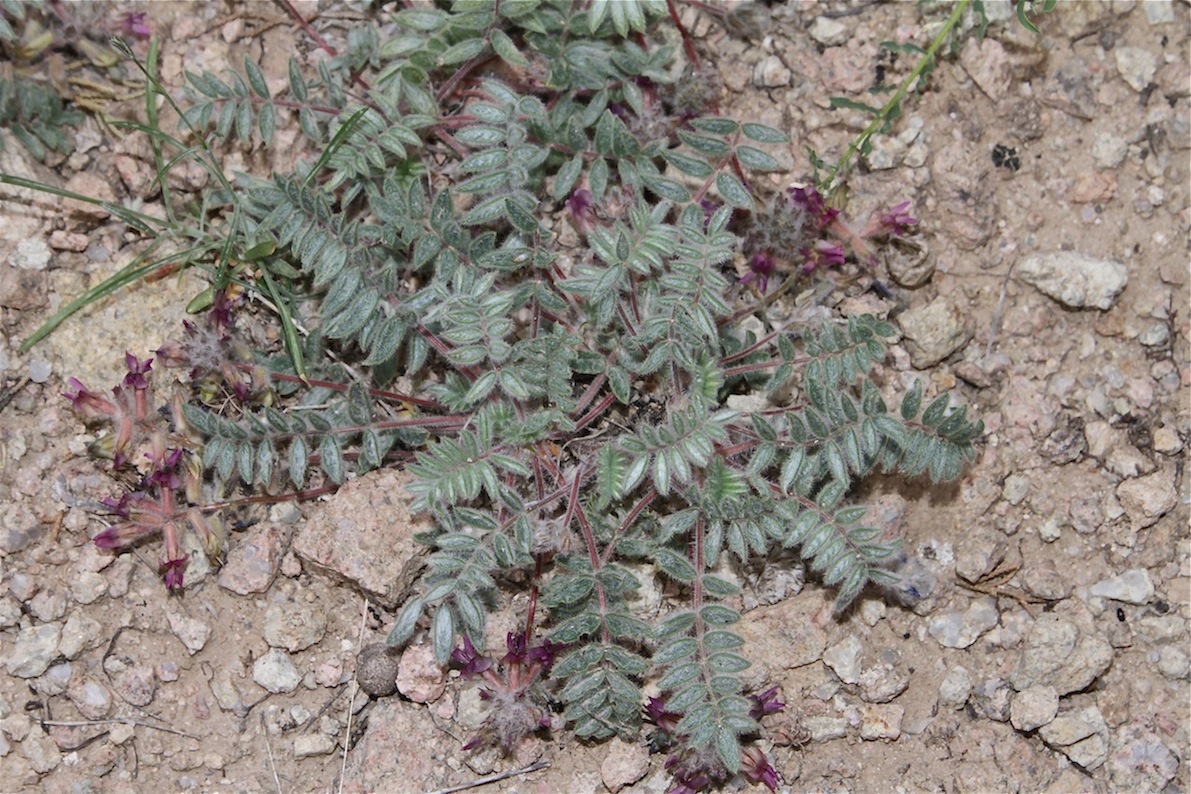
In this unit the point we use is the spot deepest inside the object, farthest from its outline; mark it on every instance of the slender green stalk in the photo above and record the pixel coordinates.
(834, 177)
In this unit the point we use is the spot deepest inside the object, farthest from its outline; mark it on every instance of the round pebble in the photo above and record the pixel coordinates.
(376, 670)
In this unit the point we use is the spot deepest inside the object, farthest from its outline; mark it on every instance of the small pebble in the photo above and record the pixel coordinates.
(1074, 279)
(1174, 663)
(881, 721)
(376, 670)
(1033, 707)
(844, 659)
(955, 689)
(1081, 735)
(35, 648)
(1131, 587)
(275, 671)
(294, 626)
(312, 744)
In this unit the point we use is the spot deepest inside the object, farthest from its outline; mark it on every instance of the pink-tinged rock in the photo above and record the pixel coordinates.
(624, 764)
(136, 684)
(881, 721)
(191, 631)
(1147, 499)
(402, 750)
(419, 676)
(22, 290)
(89, 183)
(364, 536)
(987, 64)
(253, 562)
(1094, 188)
(61, 240)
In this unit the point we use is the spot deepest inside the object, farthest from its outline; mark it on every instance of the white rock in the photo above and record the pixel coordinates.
(830, 32)
(1147, 499)
(933, 332)
(844, 659)
(1136, 65)
(35, 648)
(1131, 587)
(955, 629)
(1173, 663)
(32, 253)
(1081, 735)
(1109, 150)
(881, 721)
(1033, 707)
(887, 152)
(954, 691)
(1157, 14)
(1061, 654)
(882, 683)
(312, 744)
(1075, 279)
(275, 672)
(771, 73)
(191, 631)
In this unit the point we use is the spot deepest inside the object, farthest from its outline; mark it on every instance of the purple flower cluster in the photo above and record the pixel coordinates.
(513, 711)
(150, 506)
(802, 231)
(699, 769)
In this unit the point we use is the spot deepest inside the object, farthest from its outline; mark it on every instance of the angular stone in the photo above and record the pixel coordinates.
(1081, 735)
(191, 631)
(312, 744)
(35, 648)
(1060, 654)
(844, 659)
(1075, 279)
(624, 764)
(1147, 499)
(294, 626)
(881, 721)
(1033, 707)
(955, 629)
(92, 699)
(275, 671)
(933, 332)
(956, 688)
(253, 562)
(1129, 587)
(830, 32)
(364, 535)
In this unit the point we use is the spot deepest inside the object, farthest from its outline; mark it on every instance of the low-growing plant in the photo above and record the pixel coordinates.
(560, 395)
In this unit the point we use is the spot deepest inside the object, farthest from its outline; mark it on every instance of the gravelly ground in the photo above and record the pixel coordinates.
(1050, 652)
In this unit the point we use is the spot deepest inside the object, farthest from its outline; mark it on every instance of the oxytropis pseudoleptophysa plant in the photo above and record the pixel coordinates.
(560, 396)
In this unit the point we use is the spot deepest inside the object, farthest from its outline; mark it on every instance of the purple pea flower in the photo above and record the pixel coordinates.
(811, 202)
(761, 267)
(174, 571)
(897, 221)
(766, 703)
(133, 24)
(756, 767)
(824, 254)
(470, 661)
(579, 205)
